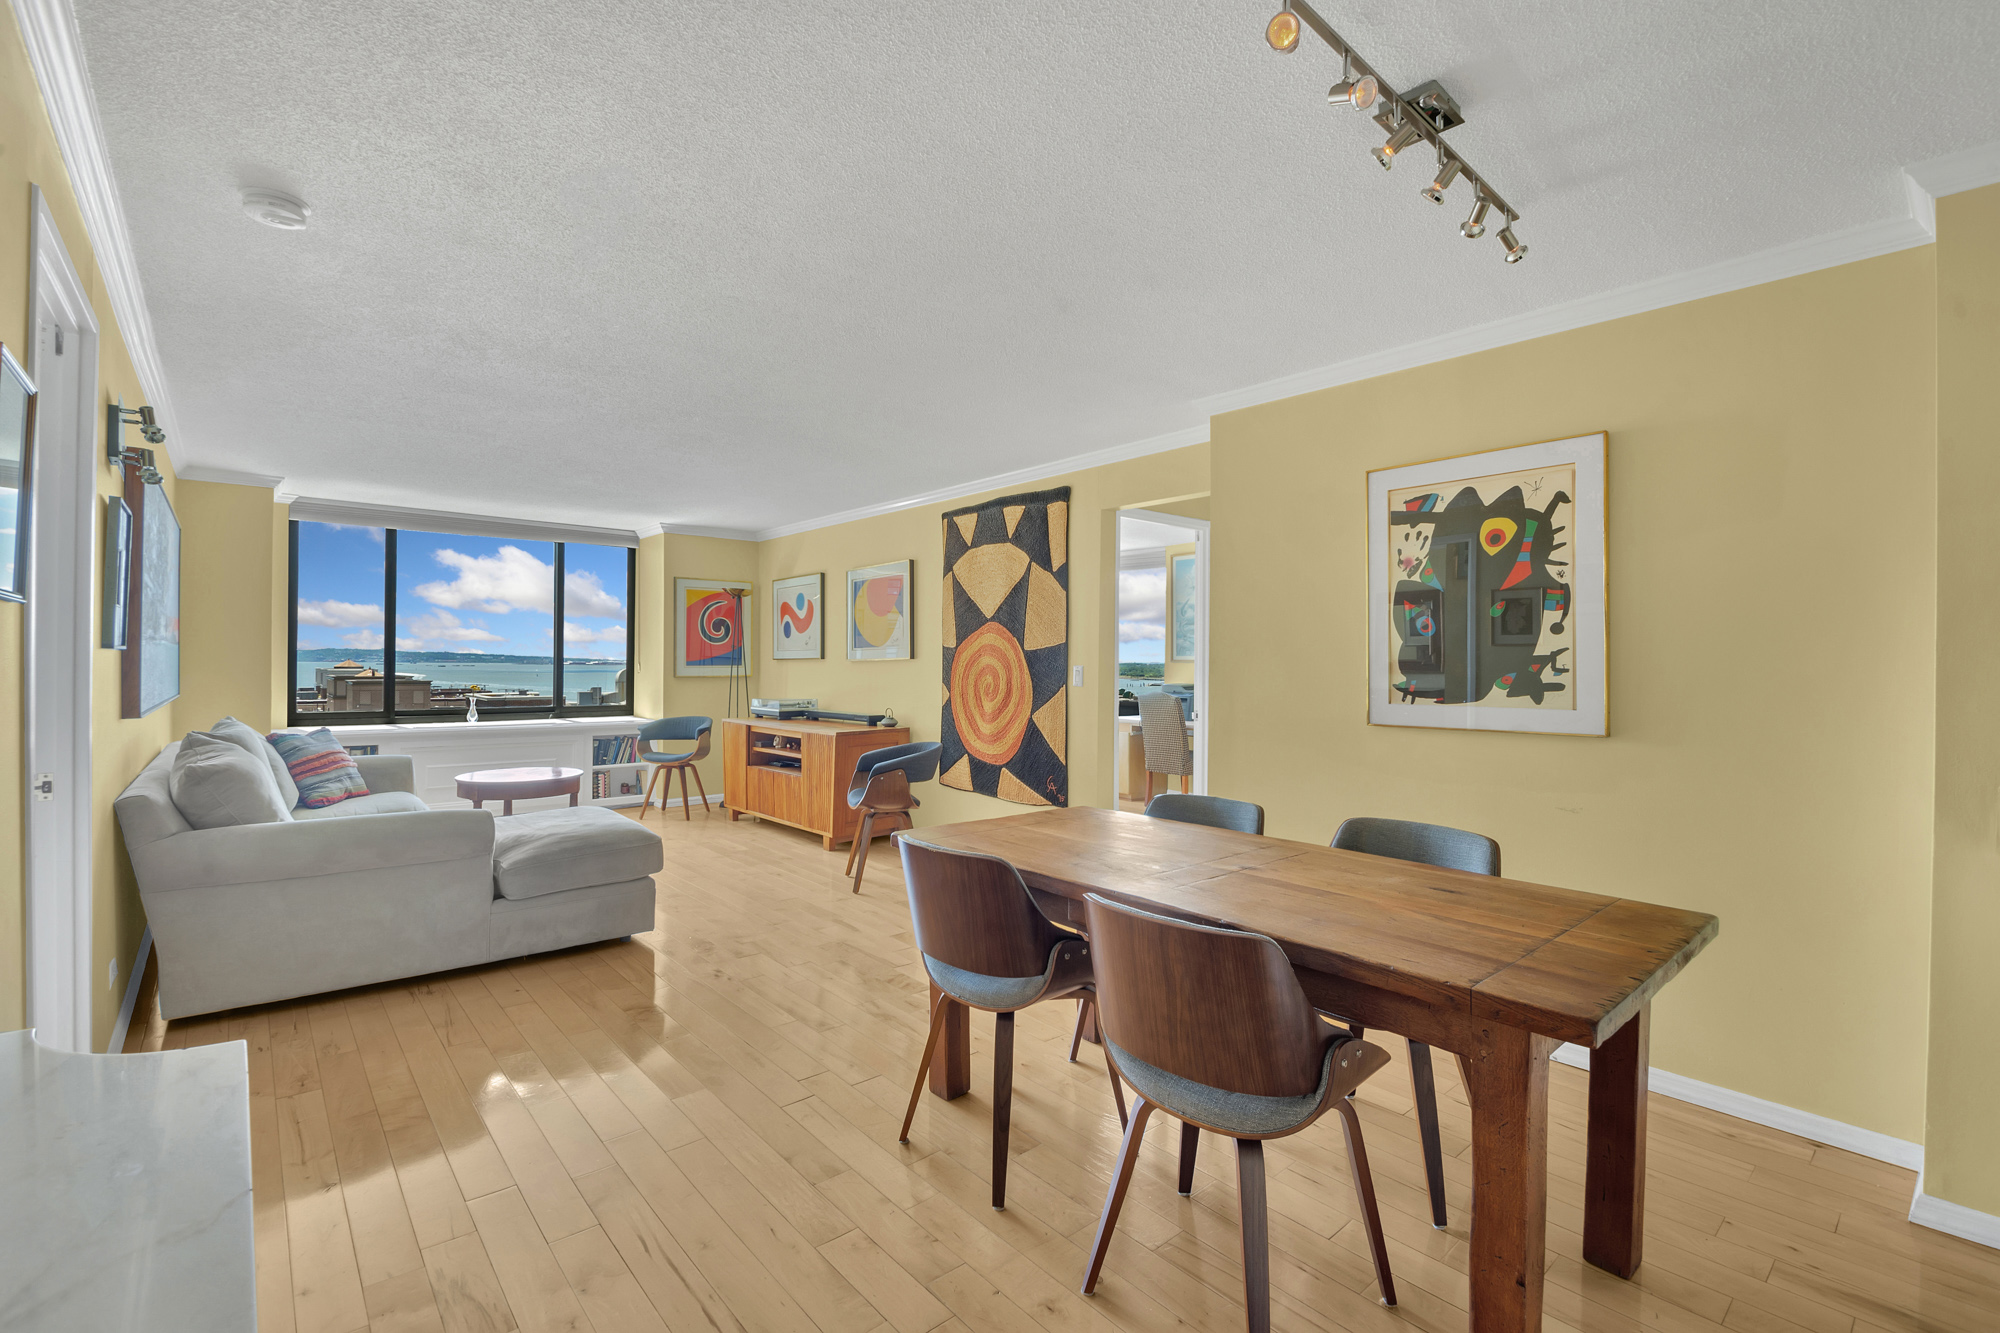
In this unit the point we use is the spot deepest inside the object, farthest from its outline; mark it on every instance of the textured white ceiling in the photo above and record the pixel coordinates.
(747, 264)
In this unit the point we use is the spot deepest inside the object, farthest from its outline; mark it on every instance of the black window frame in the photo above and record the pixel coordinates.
(389, 715)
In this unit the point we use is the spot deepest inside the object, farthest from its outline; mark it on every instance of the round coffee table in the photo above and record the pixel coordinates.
(518, 784)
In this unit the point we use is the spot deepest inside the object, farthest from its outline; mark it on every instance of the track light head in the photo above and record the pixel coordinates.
(1282, 32)
(1358, 93)
(1398, 141)
(1515, 250)
(1447, 173)
(1474, 226)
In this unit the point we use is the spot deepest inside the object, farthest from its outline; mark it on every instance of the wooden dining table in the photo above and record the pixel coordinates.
(1498, 971)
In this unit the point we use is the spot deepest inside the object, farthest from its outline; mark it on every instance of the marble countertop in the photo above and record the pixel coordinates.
(125, 1190)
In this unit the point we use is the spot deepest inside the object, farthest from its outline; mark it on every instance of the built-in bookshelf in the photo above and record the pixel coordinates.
(616, 775)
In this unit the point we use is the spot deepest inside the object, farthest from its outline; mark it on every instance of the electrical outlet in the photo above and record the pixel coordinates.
(1076, 675)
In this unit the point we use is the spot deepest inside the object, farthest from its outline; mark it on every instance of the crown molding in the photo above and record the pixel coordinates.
(228, 477)
(360, 514)
(665, 529)
(48, 28)
(1117, 453)
(1784, 261)
(1956, 173)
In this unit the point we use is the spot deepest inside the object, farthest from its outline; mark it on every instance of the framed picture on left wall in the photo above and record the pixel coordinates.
(711, 627)
(17, 444)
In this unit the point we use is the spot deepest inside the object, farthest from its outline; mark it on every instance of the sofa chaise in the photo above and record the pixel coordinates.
(374, 888)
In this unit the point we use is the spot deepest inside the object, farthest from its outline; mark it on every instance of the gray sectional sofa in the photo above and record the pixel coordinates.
(374, 888)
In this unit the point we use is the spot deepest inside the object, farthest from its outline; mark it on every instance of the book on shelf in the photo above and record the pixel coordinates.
(614, 750)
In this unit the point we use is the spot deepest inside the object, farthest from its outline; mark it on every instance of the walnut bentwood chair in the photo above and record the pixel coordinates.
(988, 946)
(1212, 1027)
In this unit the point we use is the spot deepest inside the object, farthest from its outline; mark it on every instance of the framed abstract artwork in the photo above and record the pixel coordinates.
(151, 677)
(117, 571)
(1182, 604)
(1486, 599)
(878, 613)
(711, 627)
(17, 457)
(797, 616)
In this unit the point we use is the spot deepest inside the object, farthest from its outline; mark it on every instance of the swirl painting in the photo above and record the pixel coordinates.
(711, 627)
(1006, 648)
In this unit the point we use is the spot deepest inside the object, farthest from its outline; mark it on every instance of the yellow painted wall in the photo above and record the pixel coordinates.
(914, 690)
(233, 597)
(28, 155)
(1771, 525)
(657, 691)
(1962, 1133)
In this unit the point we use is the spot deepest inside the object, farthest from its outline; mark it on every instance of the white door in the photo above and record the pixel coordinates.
(63, 361)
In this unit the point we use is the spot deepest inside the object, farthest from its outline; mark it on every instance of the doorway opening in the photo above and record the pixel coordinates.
(1163, 554)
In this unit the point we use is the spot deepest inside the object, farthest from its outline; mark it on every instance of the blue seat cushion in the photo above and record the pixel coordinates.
(1240, 1113)
(984, 992)
(655, 757)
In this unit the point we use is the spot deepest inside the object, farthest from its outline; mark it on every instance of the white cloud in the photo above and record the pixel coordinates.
(1142, 605)
(584, 595)
(444, 627)
(574, 634)
(369, 638)
(509, 580)
(374, 534)
(338, 615)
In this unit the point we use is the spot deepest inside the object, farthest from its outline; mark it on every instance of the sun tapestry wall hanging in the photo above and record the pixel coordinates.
(1486, 591)
(1006, 648)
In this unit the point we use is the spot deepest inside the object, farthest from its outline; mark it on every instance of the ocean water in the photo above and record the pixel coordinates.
(537, 676)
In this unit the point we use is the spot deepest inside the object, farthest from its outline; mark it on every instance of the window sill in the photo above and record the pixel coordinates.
(515, 726)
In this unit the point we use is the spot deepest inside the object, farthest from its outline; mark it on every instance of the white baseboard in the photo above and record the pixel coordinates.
(1772, 1115)
(1954, 1219)
(124, 1023)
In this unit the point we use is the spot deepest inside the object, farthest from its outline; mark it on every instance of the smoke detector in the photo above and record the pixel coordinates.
(274, 209)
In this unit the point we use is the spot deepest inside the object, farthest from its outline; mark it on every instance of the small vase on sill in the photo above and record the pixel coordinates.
(471, 707)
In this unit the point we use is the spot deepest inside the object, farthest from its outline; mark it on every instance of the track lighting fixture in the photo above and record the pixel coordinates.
(1398, 141)
(1448, 170)
(1426, 112)
(1282, 32)
(1358, 93)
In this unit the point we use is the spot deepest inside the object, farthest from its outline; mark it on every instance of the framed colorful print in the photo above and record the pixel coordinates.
(1181, 602)
(878, 613)
(1486, 591)
(797, 616)
(117, 571)
(17, 444)
(711, 627)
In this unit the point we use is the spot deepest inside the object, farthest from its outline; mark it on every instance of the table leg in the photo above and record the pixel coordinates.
(1614, 1190)
(1509, 1082)
(951, 1067)
(479, 803)
(509, 808)
(572, 798)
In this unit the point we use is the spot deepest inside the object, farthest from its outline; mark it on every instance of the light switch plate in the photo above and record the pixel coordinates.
(1076, 675)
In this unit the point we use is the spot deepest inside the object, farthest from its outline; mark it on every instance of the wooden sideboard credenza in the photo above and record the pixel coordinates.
(759, 777)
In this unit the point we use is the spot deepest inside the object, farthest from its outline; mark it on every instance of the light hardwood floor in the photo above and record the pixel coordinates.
(696, 1130)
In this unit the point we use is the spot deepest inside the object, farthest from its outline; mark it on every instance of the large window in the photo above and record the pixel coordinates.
(524, 628)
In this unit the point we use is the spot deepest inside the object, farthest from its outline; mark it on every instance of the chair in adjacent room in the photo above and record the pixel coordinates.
(1211, 811)
(1163, 725)
(1212, 1027)
(987, 945)
(880, 788)
(674, 744)
(1453, 849)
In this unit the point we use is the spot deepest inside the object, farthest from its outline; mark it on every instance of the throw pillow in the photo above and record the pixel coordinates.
(247, 736)
(215, 784)
(326, 773)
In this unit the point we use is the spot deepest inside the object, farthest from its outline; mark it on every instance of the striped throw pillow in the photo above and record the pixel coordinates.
(325, 772)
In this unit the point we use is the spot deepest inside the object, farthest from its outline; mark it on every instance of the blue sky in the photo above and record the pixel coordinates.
(458, 594)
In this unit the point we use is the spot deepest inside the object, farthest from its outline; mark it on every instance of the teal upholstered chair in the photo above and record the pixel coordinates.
(674, 744)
